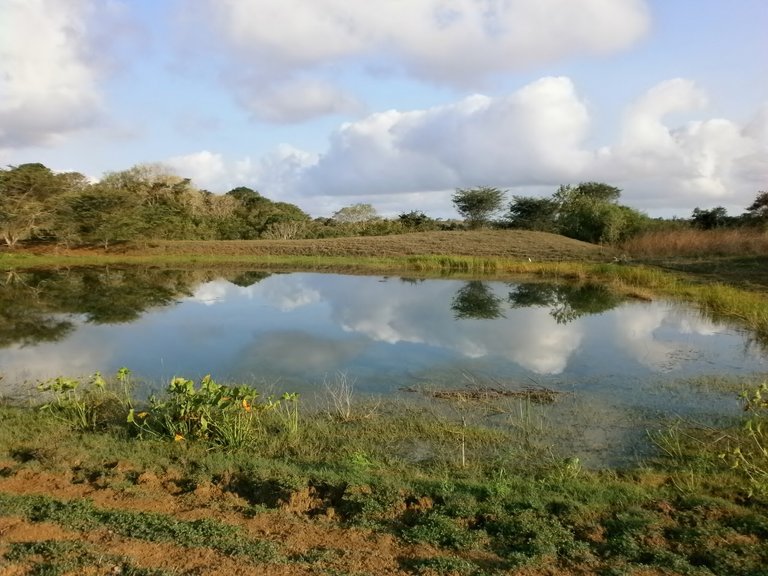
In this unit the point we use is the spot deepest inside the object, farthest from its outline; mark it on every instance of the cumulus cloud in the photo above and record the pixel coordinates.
(536, 137)
(453, 42)
(703, 161)
(273, 173)
(532, 139)
(204, 168)
(529, 136)
(49, 69)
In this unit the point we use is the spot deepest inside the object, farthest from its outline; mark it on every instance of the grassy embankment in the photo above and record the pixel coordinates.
(223, 482)
(216, 480)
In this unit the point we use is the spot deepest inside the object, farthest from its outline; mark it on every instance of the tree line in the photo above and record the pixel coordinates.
(148, 202)
(590, 211)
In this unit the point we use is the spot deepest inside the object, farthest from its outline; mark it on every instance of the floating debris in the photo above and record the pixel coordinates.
(539, 395)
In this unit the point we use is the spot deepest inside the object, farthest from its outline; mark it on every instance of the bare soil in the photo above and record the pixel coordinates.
(295, 526)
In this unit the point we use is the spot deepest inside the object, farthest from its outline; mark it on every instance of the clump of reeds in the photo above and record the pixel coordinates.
(696, 243)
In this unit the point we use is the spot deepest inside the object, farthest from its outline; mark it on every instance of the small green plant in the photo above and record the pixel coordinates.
(225, 416)
(85, 406)
(287, 409)
(750, 454)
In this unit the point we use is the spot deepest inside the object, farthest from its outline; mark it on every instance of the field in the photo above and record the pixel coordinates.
(232, 487)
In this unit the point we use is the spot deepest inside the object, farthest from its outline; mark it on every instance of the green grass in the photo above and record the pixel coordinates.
(688, 511)
(82, 516)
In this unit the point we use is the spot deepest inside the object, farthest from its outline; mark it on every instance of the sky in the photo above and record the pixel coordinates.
(396, 103)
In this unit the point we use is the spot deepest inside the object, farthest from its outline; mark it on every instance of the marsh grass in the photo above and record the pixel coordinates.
(692, 243)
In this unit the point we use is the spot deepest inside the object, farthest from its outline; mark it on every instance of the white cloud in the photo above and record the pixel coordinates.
(295, 100)
(529, 136)
(702, 162)
(407, 314)
(273, 174)
(536, 137)
(454, 42)
(47, 87)
(204, 168)
(533, 137)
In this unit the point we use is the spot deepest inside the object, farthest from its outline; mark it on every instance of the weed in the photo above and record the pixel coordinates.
(443, 565)
(750, 454)
(85, 407)
(226, 416)
(82, 515)
(59, 557)
(339, 397)
(439, 530)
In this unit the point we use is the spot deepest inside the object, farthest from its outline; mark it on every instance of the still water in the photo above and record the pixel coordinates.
(613, 359)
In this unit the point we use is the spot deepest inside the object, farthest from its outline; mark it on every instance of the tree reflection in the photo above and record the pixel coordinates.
(39, 305)
(566, 302)
(25, 317)
(476, 300)
(246, 279)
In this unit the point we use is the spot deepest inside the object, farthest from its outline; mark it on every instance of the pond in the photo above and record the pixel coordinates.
(617, 366)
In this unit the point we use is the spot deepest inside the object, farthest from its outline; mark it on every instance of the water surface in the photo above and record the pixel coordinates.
(615, 361)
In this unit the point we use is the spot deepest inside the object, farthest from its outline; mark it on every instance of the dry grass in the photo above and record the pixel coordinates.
(508, 244)
(698, 243)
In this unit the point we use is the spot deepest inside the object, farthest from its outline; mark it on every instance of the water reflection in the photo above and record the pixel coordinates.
(476, 300)
(566, 302)
(293, 330)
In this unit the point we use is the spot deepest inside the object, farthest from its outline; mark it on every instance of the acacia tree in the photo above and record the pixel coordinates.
(355, 213)
(477, 205)
(528, 213)
(758, 210)
(25, 206)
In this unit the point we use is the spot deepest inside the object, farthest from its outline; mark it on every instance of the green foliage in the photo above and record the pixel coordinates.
(477, 205)
(710, 219)
(221, 415)
(758, 211)
(416, 220)
(29, 195)
(749, 454)
(527, 213)
(85, 407)
(83, 515)
(588, 212)
(439, 530)
(230, 417)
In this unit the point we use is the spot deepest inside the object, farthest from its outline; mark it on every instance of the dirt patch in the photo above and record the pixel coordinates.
(305, 544)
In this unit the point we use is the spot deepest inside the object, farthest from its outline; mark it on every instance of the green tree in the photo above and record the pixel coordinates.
(529, 213)
(257, 216)
(478, 205)
(709, 219)
(590, 212)
(758, 210)
(104, 215)
(26, 192)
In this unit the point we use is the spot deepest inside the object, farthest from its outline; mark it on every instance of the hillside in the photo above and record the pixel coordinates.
(512, 244)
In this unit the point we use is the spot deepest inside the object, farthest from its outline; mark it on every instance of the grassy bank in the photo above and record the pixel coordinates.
(218, 480)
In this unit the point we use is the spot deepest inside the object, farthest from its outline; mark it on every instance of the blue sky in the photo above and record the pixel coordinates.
(397, 103)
